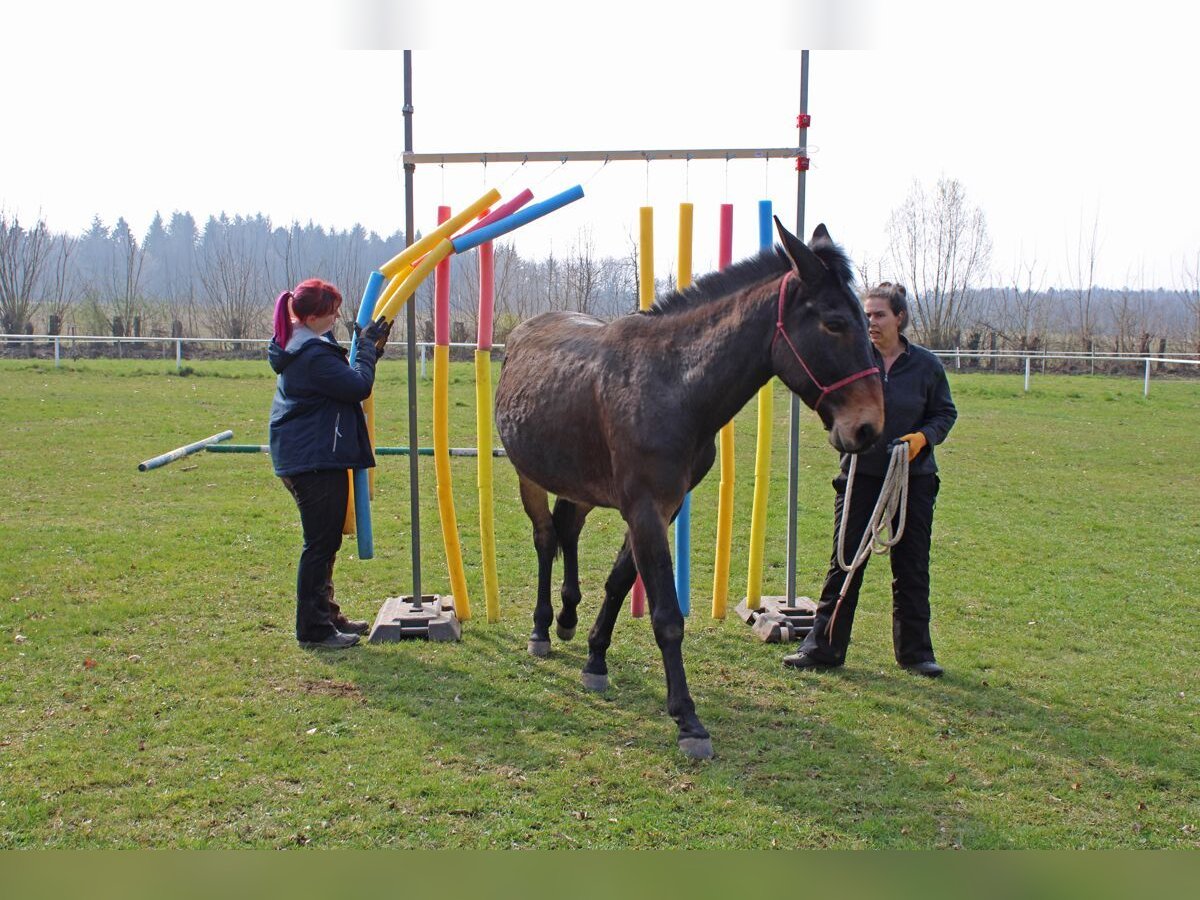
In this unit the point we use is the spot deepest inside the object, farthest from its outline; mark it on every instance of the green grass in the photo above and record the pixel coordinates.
(156, 697)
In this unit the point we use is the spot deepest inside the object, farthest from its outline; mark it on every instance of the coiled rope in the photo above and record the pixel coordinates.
(891, 505)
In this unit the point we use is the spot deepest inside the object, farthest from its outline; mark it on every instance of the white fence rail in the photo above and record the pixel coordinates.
(955, 357)
(1183, 359)
(70, 341)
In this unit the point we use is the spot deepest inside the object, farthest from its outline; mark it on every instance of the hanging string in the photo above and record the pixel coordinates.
(442, 166)
(551, 172)
(727, 179)
(647, 181)
(509, 177)
(766, 177)
(588, 180)
(687, 175)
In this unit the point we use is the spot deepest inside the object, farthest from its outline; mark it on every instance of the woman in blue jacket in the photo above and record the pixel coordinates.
(317, 432)
(918, 410)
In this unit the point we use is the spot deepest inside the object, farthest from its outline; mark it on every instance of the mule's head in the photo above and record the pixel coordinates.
(821, 349)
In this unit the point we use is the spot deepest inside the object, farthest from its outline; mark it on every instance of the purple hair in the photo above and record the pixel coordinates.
(283, 318)
(313, 297)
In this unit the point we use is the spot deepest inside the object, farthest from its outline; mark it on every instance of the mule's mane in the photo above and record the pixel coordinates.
(766, 265)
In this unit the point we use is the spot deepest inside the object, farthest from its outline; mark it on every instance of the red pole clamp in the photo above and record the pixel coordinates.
(802, 163)
(803, 120)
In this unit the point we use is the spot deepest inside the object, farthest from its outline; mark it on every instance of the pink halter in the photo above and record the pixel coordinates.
(779, 330)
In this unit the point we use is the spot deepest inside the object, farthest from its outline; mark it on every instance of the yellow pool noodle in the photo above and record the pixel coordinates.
(762, 478)
(416, 250)
(646, 258)
(410, 284)
(445, 493)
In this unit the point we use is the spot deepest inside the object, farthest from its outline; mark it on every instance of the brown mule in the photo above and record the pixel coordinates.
(624, 415)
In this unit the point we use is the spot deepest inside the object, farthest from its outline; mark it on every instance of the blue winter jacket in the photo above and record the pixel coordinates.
(317, 420)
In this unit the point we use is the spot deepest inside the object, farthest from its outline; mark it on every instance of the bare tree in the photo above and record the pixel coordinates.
(517, 290)
(231, 266)
(552, 294)
(631, 262)
(939, 246)
(23, 252)
(464, 294)
(868, 275)
(124, 295)
(1082, 272)
(1189, 297)
(1019, 318)
(60, 283)
(350, 269)
(581, 278)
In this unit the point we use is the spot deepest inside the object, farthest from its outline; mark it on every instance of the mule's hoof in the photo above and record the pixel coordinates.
(539, 649)
(696, 748)
(564, 634)
(594, 682)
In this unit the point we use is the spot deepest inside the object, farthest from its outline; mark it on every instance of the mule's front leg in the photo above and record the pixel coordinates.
(653, 556)
(620, 580)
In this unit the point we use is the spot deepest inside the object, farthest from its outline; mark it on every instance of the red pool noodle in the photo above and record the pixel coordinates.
(441, 292)
(487, 295)
(725, 237)
(503, 211)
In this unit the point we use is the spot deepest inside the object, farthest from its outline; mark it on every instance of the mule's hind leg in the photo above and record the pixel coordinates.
(620, 580)
(537, 507)
(568, 522)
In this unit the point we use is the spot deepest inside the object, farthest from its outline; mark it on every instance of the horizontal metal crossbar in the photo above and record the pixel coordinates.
(522, 156)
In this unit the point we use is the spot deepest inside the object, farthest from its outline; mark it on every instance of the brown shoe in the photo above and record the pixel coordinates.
(351, 626)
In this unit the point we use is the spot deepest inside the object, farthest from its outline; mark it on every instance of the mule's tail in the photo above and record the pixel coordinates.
(564, 521)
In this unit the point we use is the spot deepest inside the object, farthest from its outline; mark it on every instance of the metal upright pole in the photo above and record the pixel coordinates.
(411, 322)
(794, 433)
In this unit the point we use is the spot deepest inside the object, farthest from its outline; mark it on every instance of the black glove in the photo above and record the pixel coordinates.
(377, 334)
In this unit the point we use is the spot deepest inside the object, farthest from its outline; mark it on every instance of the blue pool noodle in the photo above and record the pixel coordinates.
(683, 555)
(362, 485)
(516, 220)
(766, 229)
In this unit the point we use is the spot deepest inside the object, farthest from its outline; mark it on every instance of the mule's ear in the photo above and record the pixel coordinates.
(806, 263)
(821, 233)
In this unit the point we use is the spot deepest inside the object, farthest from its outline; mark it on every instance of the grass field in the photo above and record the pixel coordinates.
(152, 694)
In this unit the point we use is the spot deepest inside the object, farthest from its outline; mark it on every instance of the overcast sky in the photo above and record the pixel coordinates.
(1051, 116)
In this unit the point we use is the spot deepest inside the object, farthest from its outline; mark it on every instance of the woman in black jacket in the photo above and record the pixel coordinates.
(919, 411)
(317, 432)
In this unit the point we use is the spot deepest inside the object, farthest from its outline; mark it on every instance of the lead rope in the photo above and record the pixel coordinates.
(893, 500)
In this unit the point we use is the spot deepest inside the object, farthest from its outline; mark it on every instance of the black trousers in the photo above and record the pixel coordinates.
(910, 573)
(322, 498)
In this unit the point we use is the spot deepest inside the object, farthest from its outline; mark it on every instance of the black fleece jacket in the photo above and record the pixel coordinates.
(916, 397)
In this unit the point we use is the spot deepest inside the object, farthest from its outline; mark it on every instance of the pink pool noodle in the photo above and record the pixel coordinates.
(441, 292)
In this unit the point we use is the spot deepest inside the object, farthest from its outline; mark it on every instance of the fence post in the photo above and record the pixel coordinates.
(422, 362)
(1027, 361)
(1146, 389)
(56, 351)
(957, 358)
(178, 354)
